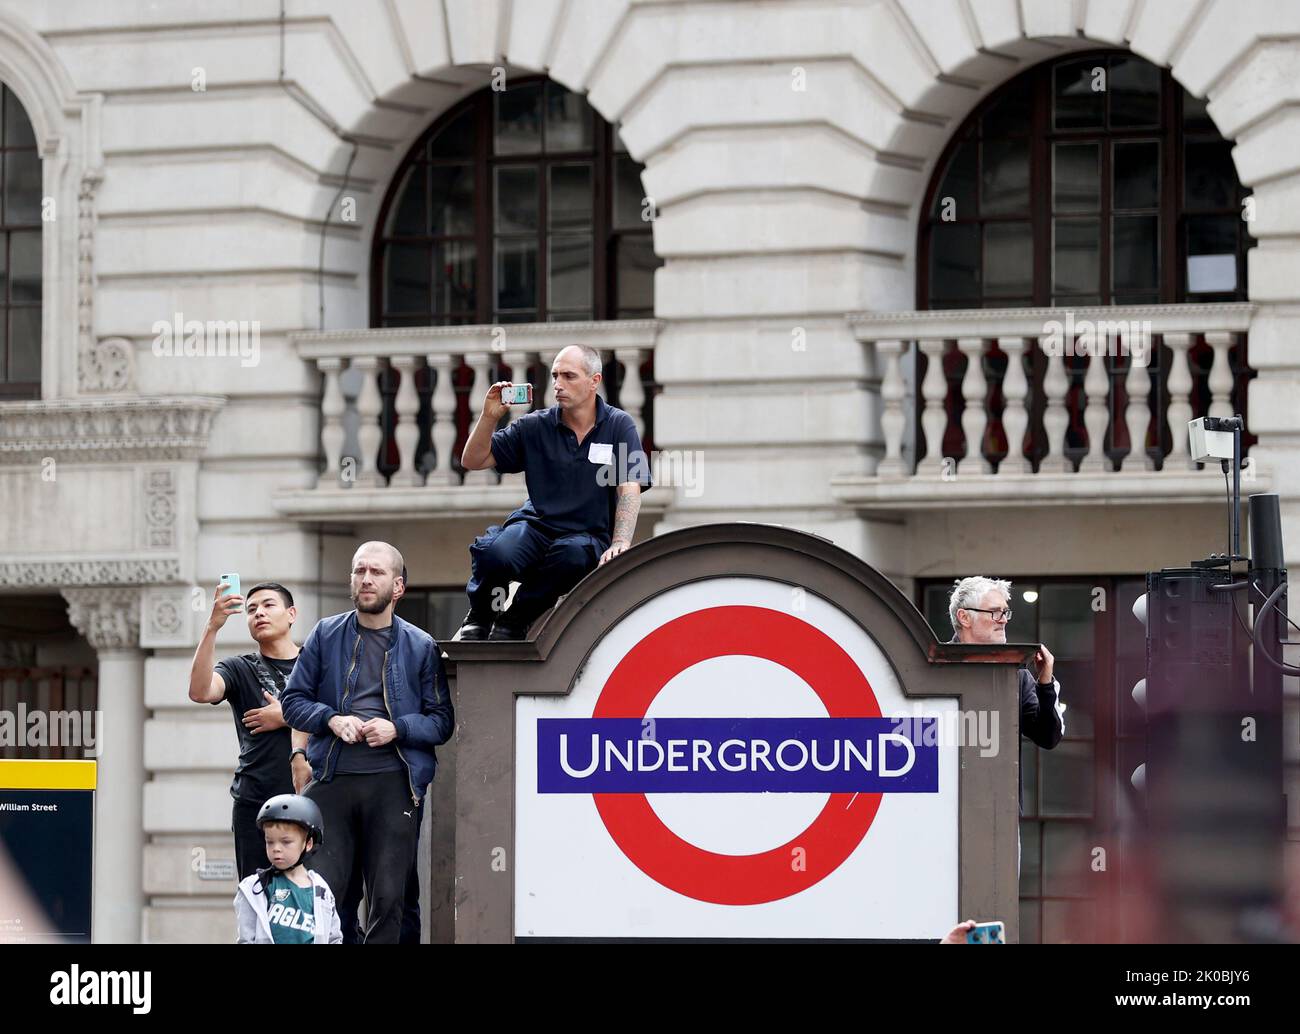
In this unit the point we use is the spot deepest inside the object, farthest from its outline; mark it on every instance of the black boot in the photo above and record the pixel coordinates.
(474, 628)
(505, 629)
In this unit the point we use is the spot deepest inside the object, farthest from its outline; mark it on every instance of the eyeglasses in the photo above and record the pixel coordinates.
(1001, 614)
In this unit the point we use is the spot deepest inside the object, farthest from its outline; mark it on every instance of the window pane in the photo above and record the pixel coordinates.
(516, 271)
(1137, 174)
(1066, 619)
(18, 127)
(406, 281)
(406, 217)
(25, 344)
(1067, 852)
(1210, 178)
(568, 120)
(25, 265)
(1011, 115)
(1076, 177)
(1068, 922)
(1030, 835)
(1029, 919)
(1196, 116)
(1212, 253)
(1005, 177)
(1079, 94)
(954, 261)
(22, 188)
(516, 198)
(569, 273)
(629, 196)
(1076, 247)
(454, 287)
(452, 191)
(456, 140)
(569, 201)
(1134, 89)
(1029, 776)
(1008, 259)
(519, 120)
(1136, 262)
(959, 184)
(637, 262)
(1066, 778)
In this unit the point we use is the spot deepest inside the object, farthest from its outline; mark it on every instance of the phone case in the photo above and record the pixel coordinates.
(233, 579)
(987, 933)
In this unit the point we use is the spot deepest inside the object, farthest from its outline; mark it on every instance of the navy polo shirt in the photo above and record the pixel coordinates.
(572, 487)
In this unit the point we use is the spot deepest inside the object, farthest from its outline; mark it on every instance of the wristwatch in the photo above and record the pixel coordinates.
(298, 750)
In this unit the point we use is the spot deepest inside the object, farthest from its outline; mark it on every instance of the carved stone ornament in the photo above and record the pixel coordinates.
(107, 618)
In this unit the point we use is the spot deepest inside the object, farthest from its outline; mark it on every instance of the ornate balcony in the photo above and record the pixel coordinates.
(398, 405)
(1050, 406)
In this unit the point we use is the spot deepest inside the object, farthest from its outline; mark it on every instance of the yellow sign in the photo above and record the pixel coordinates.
(47, 775)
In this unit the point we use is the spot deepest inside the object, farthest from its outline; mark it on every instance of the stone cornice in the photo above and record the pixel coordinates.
(74, 572)
(479, 338)
(106, 430)
(953, 323)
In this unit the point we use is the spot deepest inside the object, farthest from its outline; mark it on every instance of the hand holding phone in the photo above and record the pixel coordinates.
(987, 933)
(517, 395)
(231, 588)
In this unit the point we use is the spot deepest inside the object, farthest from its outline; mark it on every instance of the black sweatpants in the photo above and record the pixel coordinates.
(348, 908)
(250, 842)
(370, 817)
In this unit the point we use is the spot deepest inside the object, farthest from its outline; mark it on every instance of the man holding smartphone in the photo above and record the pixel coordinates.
(585, 471)
(272, 759)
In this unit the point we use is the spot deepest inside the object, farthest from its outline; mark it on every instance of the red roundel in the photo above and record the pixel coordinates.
(706, 875)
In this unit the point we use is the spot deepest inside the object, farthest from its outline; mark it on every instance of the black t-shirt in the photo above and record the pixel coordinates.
(367, 701)
(263, 769)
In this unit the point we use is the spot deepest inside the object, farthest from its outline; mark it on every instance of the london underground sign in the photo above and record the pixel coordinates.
(730, 762)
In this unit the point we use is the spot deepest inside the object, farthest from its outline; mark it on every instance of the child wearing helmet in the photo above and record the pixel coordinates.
(287, 903)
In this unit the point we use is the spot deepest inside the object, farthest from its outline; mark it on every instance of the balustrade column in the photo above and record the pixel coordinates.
(1015, 417)
(934, 389)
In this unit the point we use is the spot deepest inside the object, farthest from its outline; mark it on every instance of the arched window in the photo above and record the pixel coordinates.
(1090, 180)
(519, 205)
(20, 249)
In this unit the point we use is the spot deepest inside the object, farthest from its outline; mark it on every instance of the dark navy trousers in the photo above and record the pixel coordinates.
(546, 565)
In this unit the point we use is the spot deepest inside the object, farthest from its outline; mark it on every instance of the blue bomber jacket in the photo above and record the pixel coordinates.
(414, 687)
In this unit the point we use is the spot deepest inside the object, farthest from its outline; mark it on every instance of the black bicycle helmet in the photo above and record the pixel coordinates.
(292, 807)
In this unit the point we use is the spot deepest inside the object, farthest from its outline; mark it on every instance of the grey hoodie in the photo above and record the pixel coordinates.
(251, 912)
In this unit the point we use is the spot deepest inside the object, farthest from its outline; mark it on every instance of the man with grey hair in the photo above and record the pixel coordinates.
(585, 471)
(979, 609)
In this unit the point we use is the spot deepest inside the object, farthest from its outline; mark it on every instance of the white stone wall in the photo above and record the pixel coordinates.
(787, 144)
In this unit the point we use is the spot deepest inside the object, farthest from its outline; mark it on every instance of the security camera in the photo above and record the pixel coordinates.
(1211, 437)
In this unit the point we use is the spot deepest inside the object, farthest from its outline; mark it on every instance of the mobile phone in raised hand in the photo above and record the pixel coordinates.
(987, 933)
(517, 395)
(232, 589)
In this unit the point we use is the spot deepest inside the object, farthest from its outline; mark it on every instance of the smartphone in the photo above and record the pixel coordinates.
(517, 395)
(233, 590)
(987, 933)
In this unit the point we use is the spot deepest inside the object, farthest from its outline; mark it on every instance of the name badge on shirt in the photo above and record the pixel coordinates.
(601, 452)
